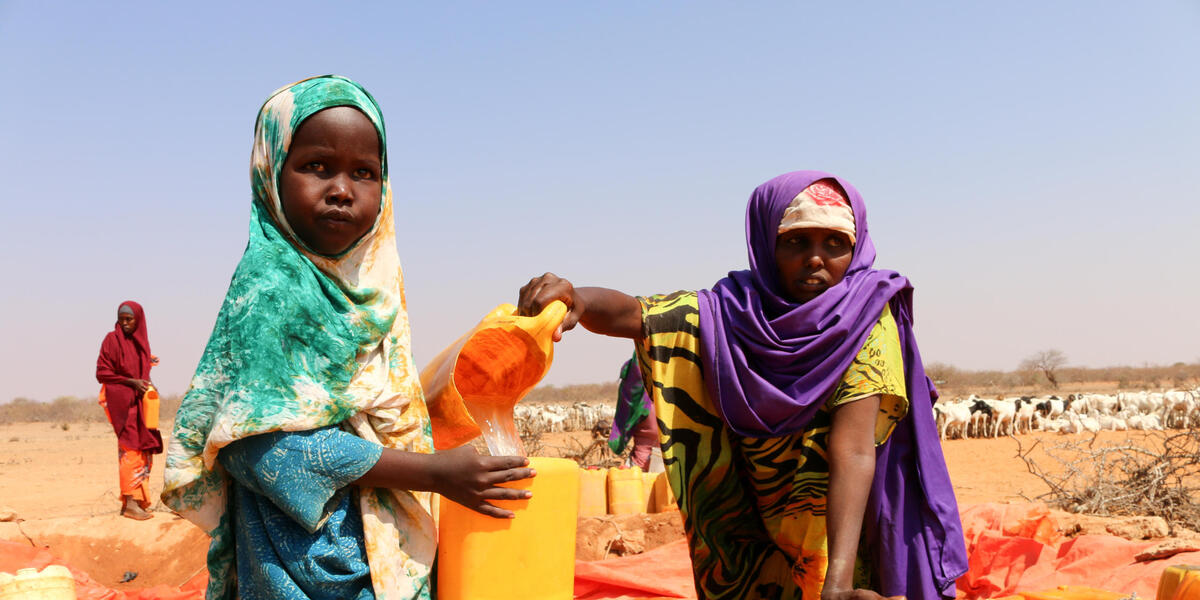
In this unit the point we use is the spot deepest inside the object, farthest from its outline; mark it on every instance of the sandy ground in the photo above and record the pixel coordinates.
(62, 484)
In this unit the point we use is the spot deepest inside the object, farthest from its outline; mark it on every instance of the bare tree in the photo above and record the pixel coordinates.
(941, 373)
(1046, 361)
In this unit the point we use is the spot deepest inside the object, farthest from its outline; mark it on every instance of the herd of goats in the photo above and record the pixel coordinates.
(1077, 413)
(962, 418)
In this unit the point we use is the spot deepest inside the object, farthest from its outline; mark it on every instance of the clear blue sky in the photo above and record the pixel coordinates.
(1033, 167)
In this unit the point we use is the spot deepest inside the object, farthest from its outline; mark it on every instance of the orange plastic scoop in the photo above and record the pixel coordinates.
(472, 386)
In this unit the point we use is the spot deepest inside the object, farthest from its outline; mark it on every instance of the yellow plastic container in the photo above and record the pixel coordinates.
(1073, 592)
(593, 492)
(664, 497)
(1189, 587)
(150, 407)
(1179, 582)
(531, 557)
(472, 386)
(648, 491)
(625, 494)
(52, 583)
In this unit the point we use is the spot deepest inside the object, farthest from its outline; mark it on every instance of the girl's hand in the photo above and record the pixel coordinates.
(470, 479)
(856, 595)
(541, 291)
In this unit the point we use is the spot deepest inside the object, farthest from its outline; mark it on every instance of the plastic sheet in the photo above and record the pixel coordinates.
(1015, 548)
(15, 556)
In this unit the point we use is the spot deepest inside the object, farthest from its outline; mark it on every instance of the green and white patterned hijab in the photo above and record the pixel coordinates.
(306, 341)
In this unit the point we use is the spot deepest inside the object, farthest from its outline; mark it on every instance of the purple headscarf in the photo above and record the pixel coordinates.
(771, 364)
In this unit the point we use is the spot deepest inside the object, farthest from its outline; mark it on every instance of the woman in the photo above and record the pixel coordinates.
(796, 417)
(123, 370)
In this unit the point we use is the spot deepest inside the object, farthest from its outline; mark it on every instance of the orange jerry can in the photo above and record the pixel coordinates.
(1179, 582)
(150, 408)
(593, 492)
(472, 386)
(625, 494)
(531, 556)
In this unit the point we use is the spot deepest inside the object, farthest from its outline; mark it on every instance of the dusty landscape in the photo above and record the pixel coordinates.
(60, 481)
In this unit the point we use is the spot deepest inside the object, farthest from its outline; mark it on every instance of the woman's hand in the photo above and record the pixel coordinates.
(471, 479)
(545, 289)
(599, 310)
(856, 595)
(139, 385)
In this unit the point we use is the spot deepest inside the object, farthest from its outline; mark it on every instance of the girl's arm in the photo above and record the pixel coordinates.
(460, 474)
(851, 471)
(599, 310)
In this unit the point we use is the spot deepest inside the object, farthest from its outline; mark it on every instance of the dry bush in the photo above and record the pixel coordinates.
(531, 437)
(69, 409)
(168, 406)
(570, 394)
(65, 409)
(595, 453)
(1156, 476)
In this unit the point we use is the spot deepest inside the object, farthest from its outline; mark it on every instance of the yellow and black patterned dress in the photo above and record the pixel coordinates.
(753, 509)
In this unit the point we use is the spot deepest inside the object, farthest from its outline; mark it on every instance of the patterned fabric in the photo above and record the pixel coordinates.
(133, 471)
(299, 534)
(305, 341)
(820, 206)
(753, 508)
(633, 407)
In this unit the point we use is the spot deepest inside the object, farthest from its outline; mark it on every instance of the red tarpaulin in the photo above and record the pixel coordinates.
(1012, 548)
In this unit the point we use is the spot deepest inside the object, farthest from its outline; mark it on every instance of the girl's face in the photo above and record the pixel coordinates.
(810, 260)
(331, 183)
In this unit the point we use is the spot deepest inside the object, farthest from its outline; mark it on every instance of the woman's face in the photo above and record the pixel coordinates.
(811, 260)
(331, 183)
(127, 322)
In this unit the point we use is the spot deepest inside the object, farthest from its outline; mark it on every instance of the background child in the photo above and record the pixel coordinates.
(123, 370)
(797, 420)
(307, 384)
(634, 418)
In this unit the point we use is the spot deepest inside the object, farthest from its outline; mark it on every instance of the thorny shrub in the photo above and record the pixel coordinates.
(1157, 475)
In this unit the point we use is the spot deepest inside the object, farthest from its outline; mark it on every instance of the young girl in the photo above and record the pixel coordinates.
(123, 370)
(794, 413)
(303, 445)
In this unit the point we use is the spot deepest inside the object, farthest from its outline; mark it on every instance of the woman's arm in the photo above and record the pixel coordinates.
(460, 474)
(599, 310)
(106, 374)
(851, 471)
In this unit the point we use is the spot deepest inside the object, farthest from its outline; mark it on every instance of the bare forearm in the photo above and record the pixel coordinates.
(460, 474)
(851, 471)
(398, 469)
(610, 312)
